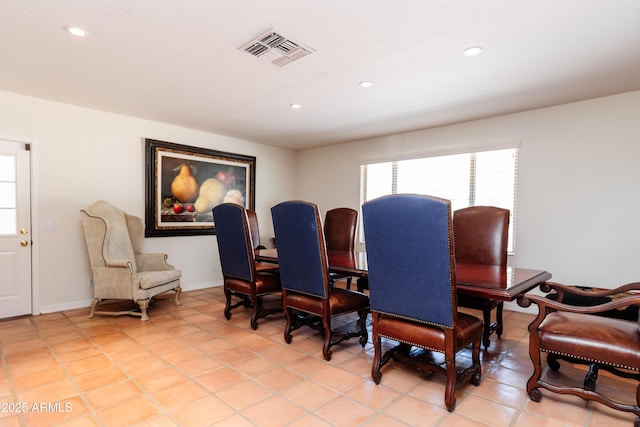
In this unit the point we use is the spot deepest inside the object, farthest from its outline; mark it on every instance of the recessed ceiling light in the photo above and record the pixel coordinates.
(366, 83)
(295, 106)
(472, 51)
(76, 31)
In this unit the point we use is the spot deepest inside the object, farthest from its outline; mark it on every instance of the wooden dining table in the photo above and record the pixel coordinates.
(484, 281)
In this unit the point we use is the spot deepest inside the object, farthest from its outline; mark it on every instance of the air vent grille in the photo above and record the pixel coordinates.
(277, 49)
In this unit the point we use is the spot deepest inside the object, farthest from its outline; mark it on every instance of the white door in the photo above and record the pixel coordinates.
(15, 229)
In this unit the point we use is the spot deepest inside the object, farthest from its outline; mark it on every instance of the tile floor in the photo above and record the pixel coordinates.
(189, 366)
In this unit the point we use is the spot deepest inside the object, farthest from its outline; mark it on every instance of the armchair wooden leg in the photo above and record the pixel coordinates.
(143, 304)
(178, 292)
(94, 304)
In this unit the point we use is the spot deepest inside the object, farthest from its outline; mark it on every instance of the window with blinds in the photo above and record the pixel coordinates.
(481, 178)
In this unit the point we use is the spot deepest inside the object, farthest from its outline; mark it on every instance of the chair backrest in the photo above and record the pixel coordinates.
(410, 256)
(481, 235)
(302, 254)
(237, 258)
(340, 228)
(107, 234)
(253, 228)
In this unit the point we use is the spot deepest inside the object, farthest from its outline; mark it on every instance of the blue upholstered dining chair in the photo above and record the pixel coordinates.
(308, 298)
(413, 290)
(237, 259)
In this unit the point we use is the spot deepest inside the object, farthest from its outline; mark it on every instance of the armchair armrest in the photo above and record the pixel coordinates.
(547, 305)
(561, 290)
(152, 262)
(118, 263)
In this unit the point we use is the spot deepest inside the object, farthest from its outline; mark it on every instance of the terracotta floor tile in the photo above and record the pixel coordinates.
(273, 412)
(199, 365)
(64, 389)
(128, 412)
(27, 366)
(309, 395)
(416, 412)
(486, 411)
(343, 411)
(89, 364)
(384, 420)
(203, 412)
(111, 394)
(51, 412)
(179, 394)
(375, 396)
(337, 379)
(99, 378)
(279, 379)
(254, 366)
(219, 379)
(243, 394)
(157, 380)
(190, 366)
(39, 378)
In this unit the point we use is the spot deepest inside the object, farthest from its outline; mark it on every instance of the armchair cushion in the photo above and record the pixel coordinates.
(592, 338)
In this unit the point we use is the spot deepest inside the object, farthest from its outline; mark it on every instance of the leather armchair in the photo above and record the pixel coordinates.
(575, 334)
(481, 236)
(412, 286)
(121, 271)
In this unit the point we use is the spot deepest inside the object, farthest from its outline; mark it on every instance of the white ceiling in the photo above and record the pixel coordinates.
(179, 62)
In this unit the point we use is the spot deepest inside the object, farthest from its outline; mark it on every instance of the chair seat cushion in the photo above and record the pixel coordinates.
(340, 301)
(598, 339)
(266, 282)
(467, 328)
(152, 279)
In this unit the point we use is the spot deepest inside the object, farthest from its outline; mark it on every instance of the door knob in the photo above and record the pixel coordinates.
(24, 243)
(24, 231)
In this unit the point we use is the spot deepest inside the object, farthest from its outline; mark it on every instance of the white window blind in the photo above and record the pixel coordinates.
(480, 178)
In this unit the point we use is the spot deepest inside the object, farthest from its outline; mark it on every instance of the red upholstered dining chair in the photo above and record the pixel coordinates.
(412, 286)
(237, 258)
(255, 229)
(308, 298)
(585, 335)
(340, 234)
(481, 236)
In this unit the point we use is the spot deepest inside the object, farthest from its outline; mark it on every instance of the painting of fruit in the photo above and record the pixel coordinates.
(185, 183)
(184, 186)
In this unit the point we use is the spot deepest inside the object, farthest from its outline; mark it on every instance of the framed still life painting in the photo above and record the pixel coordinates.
(184, 183)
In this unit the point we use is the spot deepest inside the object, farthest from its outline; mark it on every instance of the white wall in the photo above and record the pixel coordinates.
(83, 155)
(577, 182)
(578, 179)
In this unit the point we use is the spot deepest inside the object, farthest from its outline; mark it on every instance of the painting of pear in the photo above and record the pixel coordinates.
(211, 193)
(185, 186)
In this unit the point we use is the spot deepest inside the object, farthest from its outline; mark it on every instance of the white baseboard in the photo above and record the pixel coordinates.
(87, 303)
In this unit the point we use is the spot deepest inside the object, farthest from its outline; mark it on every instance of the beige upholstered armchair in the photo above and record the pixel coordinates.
(120, 270)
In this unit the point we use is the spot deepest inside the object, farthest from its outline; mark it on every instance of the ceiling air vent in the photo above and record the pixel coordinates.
(274, 48)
